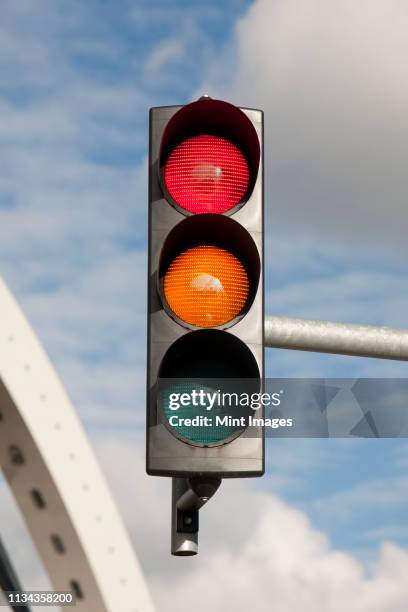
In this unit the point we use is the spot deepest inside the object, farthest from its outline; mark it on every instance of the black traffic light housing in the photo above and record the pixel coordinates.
(232, 349)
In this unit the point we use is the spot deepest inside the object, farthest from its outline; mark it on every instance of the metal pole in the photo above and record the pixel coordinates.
(337, 338)
(188, 496)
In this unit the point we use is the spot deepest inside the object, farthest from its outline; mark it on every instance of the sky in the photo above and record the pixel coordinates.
(325, 528)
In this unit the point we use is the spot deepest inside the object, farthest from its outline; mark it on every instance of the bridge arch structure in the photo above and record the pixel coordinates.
(55, 478)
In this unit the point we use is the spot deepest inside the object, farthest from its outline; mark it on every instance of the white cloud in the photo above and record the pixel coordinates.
(357, 502)
(344, 295)
(330, 77)
(167, 51)
(256, 551)
(73, 238)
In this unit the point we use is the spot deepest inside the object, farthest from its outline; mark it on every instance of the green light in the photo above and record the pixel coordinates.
(213, 422)
(215, 365)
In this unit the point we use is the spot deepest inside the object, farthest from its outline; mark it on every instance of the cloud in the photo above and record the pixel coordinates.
(292, 571)
(73, 208)
(256, 551)
(73, 239)
(168, 51)
(347, 294)
(357, 501)
(330, 78)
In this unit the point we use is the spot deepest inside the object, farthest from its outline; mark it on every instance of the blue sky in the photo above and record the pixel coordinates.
(76, 83)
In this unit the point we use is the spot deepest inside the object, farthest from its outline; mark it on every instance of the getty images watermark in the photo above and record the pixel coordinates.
(288, 407)
(210, 400)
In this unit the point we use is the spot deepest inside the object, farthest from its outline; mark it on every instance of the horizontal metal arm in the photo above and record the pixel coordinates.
(337, 338)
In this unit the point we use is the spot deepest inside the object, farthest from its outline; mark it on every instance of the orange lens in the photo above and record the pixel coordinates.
(206, 286)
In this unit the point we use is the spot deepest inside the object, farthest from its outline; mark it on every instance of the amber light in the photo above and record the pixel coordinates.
(206, 286)
(206, 174)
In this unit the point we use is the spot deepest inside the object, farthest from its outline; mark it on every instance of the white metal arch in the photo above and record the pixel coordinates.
(54, 476)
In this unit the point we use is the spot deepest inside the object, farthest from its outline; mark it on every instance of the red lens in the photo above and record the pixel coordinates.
(206, 174)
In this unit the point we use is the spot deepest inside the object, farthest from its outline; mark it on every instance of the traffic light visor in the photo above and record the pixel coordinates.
(209, 158)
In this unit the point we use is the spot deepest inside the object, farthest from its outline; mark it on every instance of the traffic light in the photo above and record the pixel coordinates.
(205, 289)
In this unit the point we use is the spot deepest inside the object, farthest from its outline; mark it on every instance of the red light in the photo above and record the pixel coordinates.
(206, 174)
